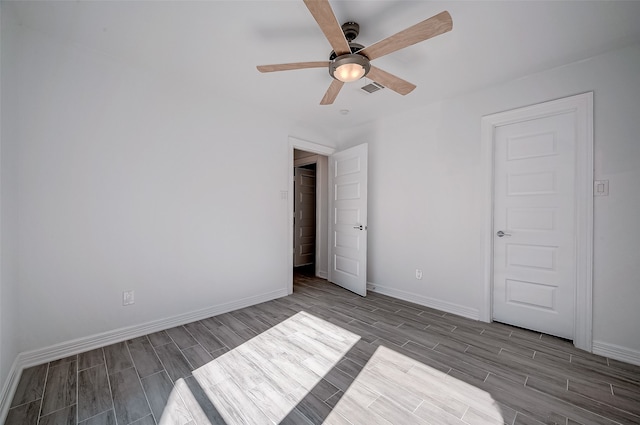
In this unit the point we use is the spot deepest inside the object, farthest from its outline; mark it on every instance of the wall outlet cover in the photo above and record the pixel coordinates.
(601, 188)
(128, 297)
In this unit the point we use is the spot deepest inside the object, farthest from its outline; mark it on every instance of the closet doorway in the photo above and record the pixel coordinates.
(310, 213)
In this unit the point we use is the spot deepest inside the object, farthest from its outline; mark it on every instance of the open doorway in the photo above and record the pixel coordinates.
(318, 154)
(309, 214)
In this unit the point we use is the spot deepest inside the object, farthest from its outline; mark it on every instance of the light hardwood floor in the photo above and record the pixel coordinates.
(325, 355)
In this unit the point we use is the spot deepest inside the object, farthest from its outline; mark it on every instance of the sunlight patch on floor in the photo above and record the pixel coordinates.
(262, 380)
(395, 388)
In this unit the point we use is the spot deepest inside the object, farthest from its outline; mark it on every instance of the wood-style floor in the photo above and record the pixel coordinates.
(325, 355)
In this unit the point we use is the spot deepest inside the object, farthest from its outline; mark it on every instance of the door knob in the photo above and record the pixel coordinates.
(501, 234)
(361, 227)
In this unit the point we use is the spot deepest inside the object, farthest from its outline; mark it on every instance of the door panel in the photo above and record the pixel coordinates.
(534, 195)
(304, 206)
(348, 219)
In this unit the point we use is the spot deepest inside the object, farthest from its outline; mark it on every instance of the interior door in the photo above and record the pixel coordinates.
(534, 224)
(304, 220)
(348, 219)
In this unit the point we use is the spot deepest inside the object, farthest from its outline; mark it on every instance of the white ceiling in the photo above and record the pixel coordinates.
(219, 43)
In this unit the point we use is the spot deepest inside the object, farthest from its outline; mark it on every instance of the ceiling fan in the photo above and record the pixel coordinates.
(350, 61)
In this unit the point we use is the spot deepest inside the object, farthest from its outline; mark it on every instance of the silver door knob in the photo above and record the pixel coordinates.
(361, 227)
(501, 234)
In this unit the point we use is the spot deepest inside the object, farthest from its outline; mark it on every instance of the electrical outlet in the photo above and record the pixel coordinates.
(418, 274)
(601, 188)
(128, 297)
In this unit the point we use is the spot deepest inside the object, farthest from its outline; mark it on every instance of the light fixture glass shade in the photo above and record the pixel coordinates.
(349, 72)
(349, 67)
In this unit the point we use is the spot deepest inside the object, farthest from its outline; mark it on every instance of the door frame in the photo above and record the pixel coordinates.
(582, 105)
(296, 143)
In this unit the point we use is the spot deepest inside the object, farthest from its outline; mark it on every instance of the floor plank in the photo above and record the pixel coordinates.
(197, 356)
(117, 357)
(31, 385)
(129, 399)
(24, 414)
(90, 359)
(94, 395)
(181, 337)
(60, 391)
(104, 418)
(144, 357)
(65, 416)
(175, 364)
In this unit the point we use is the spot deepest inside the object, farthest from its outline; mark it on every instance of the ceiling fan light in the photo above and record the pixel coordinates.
(349, 72)
(349, 67)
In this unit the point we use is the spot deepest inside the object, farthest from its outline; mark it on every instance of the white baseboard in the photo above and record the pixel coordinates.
(616, 352)
(80, 345)
(323, 274)
(9, 388)
(447, 307)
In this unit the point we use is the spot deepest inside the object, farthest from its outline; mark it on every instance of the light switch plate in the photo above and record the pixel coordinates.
(601, 188)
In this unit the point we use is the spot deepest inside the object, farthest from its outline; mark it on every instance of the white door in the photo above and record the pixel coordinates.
(304, 219)
(534, 224)
(348, 219)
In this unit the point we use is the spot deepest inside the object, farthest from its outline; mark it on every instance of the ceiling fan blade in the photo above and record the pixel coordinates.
(390, 81)
(291, 66)
(332, 92)
(324, 16)
(436, 25)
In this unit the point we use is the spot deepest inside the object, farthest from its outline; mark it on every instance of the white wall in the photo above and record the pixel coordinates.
(129, 181)
(8, 200)
(424, 185)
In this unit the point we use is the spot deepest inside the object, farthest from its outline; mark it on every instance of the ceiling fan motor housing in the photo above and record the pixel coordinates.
(350, 30)
(355, 47)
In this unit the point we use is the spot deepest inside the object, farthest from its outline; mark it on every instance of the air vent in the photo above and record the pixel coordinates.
(372, 87)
